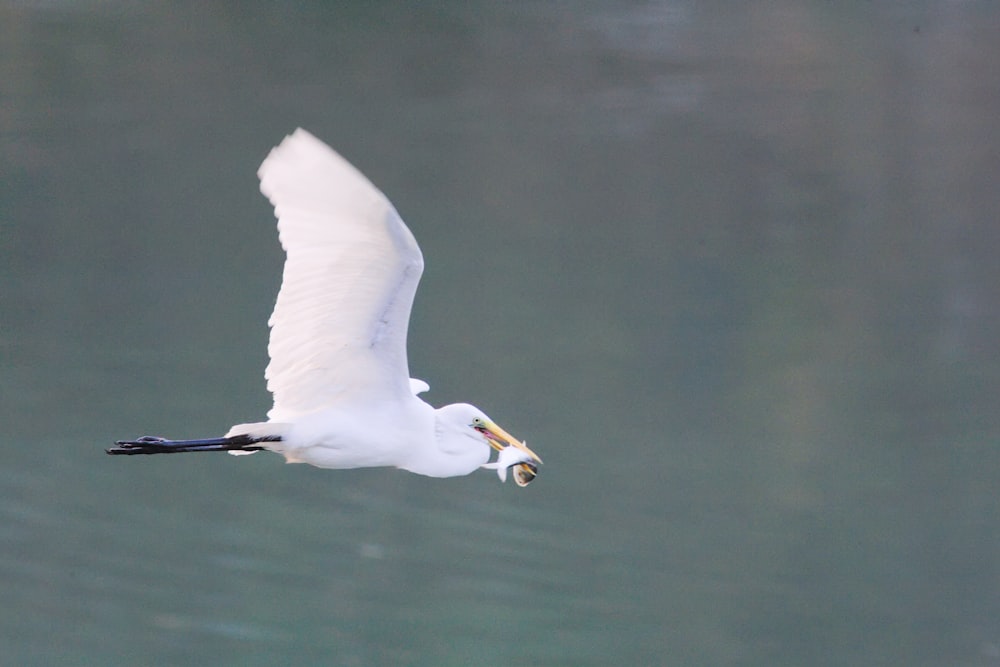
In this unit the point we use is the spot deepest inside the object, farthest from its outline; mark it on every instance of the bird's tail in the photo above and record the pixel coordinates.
(151, 445)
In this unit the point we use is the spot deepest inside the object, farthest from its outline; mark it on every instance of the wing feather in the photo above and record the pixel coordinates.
(352, 267)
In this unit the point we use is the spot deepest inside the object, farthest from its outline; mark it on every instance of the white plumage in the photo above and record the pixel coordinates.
(338, 372)
(352, 268)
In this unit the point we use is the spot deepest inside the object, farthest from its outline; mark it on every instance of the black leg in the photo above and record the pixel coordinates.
(152, 445)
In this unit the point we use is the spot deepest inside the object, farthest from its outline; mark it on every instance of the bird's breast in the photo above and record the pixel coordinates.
(358, 436)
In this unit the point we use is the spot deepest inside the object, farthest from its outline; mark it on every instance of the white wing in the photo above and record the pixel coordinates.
(339, 324)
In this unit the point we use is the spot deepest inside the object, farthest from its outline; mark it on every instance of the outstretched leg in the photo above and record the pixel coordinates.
(151, 445)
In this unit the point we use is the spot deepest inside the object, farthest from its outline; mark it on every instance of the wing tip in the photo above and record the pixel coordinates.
(299, 141)
(303, 156)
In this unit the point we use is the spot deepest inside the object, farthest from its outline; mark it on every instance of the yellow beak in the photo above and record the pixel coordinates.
(499, 438)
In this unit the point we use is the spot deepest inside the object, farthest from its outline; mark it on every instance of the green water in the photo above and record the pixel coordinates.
(730, 268)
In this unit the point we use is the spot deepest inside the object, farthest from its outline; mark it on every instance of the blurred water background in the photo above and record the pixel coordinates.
(731, 268)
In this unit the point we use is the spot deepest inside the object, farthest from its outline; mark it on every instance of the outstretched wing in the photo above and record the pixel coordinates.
(352, 268)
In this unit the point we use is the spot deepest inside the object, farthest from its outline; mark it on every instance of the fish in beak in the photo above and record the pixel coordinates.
(512, 454)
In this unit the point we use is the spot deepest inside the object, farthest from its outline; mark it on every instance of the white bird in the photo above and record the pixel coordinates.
(343, 396)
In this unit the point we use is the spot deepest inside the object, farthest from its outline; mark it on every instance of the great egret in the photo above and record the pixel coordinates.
(343, 397)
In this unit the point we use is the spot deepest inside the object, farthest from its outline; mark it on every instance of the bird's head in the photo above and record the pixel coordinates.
(472, 422)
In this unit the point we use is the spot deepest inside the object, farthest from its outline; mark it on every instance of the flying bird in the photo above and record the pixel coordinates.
(338, 373)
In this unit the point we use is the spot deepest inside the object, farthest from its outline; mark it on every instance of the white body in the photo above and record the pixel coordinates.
(352, 435)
